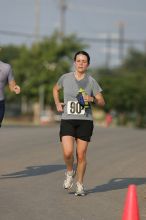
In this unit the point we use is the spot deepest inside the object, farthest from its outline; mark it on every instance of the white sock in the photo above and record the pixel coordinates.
(70, 173)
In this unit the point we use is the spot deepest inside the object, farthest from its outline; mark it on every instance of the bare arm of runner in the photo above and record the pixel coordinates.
(99, 99)
(13, 87)
(59, 105)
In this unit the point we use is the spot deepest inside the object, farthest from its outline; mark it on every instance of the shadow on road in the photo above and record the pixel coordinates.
(113, 184)
(34, 171)
(117, 183)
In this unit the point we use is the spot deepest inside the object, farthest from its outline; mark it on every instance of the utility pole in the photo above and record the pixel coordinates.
(37, 20)
(121, 41)
(41, 97)
(145, 47)
(63, 8)
(108, 52)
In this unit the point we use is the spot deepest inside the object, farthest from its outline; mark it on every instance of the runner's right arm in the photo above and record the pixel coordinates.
(13, 87)
(59, 105)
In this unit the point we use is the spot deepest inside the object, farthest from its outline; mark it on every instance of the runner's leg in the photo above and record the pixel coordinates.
(81, 159)
(2, 111)
(68, 151)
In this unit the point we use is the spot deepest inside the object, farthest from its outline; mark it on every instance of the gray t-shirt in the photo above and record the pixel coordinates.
(71, 87)
(6, 76)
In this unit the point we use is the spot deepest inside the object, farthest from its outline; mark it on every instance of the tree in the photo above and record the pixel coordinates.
(125, 86)
(42, 64)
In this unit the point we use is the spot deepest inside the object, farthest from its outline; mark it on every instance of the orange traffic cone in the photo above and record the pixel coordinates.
(131, 210)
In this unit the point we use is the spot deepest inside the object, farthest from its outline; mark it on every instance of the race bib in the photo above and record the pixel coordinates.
(74, 108)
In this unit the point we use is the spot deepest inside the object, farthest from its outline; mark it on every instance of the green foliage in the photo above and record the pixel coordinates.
(9, 53)
(41, 64)
(125, 86)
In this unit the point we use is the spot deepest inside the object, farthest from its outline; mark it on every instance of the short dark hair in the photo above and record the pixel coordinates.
(83, 53)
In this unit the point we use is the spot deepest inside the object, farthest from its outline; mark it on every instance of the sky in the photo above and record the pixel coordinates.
(92, 20)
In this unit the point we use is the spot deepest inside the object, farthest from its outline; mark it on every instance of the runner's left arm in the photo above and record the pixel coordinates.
(99, 99)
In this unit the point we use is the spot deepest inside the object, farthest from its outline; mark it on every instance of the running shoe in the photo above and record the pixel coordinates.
(79, 189)
(68, 182)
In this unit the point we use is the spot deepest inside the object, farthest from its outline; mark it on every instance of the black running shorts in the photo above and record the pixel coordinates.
(81, 129)
(2, 111)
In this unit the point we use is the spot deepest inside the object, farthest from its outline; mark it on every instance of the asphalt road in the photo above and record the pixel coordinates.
(32, 173)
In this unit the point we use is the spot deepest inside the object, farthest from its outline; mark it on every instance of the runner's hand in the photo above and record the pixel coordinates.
(16, 89)
(60, 106)
(88, 98)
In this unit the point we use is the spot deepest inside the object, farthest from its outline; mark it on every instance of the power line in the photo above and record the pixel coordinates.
(15, 33)
(115, 40)
(108, 39)
(103, 10)
(102, 37)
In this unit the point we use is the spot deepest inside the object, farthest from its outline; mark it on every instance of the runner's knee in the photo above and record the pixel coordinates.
(68, 155)
(81, 158)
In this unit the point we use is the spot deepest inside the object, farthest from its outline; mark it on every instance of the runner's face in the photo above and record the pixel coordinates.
(81, 63)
